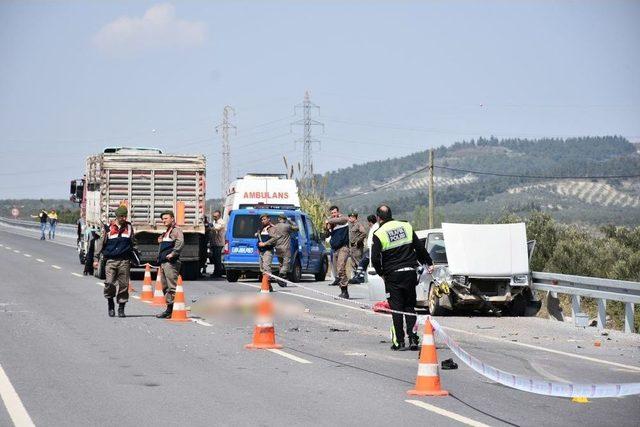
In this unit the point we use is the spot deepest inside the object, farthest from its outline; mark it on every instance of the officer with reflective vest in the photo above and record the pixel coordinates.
(118, 244)
(395, 254)
(171, 243)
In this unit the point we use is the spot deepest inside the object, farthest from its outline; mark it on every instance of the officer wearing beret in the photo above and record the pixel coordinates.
(118, 244)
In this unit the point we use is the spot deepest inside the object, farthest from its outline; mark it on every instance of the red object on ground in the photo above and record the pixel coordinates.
(381, 306)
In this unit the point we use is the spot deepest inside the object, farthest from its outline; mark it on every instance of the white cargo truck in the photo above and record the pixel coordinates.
(148, 182)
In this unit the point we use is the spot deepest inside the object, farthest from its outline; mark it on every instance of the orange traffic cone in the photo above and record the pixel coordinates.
(147, 290)
(264, 335)
(179, 313)
(158, 295)
(428, 379)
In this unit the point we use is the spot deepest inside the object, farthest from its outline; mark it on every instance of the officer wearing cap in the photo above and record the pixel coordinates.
(265, 234)
(395, 253)
(118, 243)
(171, 243)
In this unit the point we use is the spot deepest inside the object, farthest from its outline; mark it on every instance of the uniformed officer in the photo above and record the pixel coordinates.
(117, 246)
(265, 234)
(171, 243)
(357, 236)
(395, 253)
(284, 229)
(338, 228)
(217, 243)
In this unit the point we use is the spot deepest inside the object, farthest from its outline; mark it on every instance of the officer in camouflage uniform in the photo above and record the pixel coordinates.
(118, 243)
(171, 243)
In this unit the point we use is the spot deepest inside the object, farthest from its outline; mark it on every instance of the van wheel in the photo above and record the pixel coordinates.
(322, 274)
(518, 306)
(233, 275)
(434, 303)
(296, 274)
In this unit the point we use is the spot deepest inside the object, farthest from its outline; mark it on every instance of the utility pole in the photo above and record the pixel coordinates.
(227, 113)
(432, 203)
(307, 140)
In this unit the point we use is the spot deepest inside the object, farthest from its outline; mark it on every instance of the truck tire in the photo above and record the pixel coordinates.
(296, 272)
(191, 270)
(100, 272)
(233, 276)
(434, 303)
(322, 274)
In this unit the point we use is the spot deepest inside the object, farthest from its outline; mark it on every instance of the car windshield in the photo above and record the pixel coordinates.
(246, 226)
(436, 248)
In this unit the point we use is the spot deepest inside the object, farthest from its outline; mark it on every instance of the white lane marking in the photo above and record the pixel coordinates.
(56, 267)
(12, 402)
(77, 274)
(7, 248)
(39, 260)
(311, 298)
(27, 255)
(100, 284)
(548, 350)
(436, 410)
(1, 245)
(288, 356)
(135, 296)
(16, 251)
(201, 322)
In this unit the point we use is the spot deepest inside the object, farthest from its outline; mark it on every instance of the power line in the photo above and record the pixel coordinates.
(537, 176)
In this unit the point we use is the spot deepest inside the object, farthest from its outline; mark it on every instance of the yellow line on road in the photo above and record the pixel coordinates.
(436, 410)
(12, 402)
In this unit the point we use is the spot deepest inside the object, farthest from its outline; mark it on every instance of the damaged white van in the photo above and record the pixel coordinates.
(481, 267)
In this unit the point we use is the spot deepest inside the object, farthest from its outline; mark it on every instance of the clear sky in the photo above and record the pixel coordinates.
(390, 77)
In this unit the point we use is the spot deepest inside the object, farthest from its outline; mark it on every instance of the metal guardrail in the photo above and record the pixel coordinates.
(64, 229)
(591, 287)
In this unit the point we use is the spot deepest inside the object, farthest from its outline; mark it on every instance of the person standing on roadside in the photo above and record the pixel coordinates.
(364, 262)
(43, 216)
(266, 234)
(118, 244)
(53, 222)
(357, 236)
(338, 229)
(171, 243)
(282, 243)
(218, 230)
(395, 254)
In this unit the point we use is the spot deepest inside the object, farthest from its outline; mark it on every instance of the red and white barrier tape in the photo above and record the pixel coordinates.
(519, 382)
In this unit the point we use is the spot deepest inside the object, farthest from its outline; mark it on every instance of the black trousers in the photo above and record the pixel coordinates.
(401, 287)
(216, 255)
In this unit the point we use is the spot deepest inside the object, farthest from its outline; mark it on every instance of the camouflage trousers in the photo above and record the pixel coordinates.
(117, 280)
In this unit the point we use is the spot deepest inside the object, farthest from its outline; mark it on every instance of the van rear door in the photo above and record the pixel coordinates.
(243, 244)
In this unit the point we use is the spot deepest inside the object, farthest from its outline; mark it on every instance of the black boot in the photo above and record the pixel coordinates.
(345, 292)
(167, 313)
(121, 309)
(399, 346)
(414, 342)
(335, 282)
(358, 278)
(111, 306)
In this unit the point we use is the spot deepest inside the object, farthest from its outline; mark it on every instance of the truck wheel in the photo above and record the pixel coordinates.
(233, 276)
(100, 272)
(296, 274)
(434, 303)
(322, 274)
(191, 270)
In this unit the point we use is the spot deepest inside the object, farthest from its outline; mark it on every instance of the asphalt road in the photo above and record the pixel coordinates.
(70, 364)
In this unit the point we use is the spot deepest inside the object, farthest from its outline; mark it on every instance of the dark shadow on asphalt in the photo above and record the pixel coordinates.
(141, 315)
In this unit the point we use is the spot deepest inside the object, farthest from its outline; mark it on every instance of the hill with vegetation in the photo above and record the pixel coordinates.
(481, 180)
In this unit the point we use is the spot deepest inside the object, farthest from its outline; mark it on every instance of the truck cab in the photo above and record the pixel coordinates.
(241, 256)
